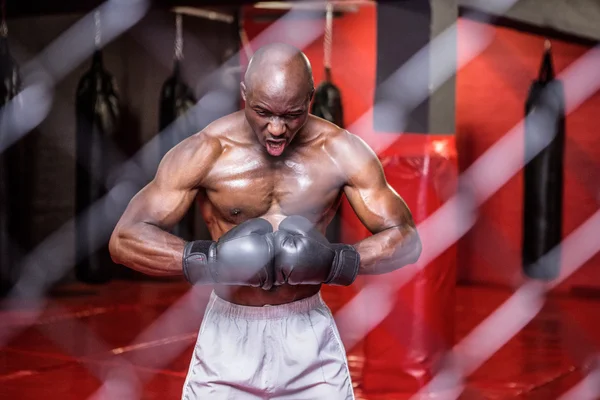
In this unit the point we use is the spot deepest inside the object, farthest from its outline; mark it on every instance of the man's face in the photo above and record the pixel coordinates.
(276, 112)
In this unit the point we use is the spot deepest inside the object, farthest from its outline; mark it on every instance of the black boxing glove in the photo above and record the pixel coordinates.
(304, 256)
(242, 256)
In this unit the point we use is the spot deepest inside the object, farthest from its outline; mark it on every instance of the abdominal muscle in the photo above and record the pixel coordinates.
(257, 297)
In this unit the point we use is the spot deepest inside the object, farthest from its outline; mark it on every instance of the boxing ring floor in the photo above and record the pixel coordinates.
(89, 335)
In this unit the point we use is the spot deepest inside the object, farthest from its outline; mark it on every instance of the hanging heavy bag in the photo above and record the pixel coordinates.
(327, 102)
(9, 73)
(543, 175)
(176, 98)
(9, 70)
(15, 184)
(97, 107)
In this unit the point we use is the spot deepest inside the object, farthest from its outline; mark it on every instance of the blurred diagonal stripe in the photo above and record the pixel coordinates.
(479, 182)
(583, 168)
(497, 329)
(77, 43)
(463, 204)
(145, 157)
(49, 261)
(29, 108)
(185, 315)
(467, 226)
(133, 174)
(587, 389)
(477, 38)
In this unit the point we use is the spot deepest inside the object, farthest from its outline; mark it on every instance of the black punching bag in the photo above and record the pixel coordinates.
(176, 98)
(11, 164)
(543, 175)
(327, 103)
(97, 107)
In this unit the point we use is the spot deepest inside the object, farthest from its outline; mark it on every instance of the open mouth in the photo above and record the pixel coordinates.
(275, 148)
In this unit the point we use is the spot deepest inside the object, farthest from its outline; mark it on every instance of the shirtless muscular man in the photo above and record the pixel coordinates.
(270, 179)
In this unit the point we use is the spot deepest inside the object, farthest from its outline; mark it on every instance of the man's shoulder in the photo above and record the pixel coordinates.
(207, 144)
(327, 131)
(222, 128)
(336, 139)
(213, 137)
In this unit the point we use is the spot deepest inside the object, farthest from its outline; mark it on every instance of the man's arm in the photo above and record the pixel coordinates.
(395, 241)
(141, 240)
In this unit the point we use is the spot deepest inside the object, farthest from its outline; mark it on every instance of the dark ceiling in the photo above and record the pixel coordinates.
(22, 8)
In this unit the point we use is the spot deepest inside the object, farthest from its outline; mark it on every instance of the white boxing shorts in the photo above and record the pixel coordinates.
(289, 351)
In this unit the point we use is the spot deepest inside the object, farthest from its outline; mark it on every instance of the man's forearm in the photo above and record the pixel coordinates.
(388, 250)
(148, 249)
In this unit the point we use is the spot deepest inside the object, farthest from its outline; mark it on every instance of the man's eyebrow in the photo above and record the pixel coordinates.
(297, 109)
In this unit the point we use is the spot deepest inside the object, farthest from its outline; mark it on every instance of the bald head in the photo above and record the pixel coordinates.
(280, 65)
(277, 90)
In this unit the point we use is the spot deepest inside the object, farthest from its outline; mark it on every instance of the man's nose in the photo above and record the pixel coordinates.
(276, 126)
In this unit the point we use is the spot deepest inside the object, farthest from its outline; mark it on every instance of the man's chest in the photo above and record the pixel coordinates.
(246, 188)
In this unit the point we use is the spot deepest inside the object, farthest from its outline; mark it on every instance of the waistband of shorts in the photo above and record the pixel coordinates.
(224, 307)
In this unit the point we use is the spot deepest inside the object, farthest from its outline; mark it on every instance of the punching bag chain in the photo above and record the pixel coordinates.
(178, 37)
(98, 33)
(244, 40)
(328, 33)
(3, 26)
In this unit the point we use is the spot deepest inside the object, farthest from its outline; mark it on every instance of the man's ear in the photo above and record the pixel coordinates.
(243, 90)
(311, 95)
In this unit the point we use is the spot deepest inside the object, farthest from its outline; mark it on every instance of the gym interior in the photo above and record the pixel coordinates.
(484, 115)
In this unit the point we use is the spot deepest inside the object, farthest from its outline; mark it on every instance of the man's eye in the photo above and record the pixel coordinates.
(261, 113)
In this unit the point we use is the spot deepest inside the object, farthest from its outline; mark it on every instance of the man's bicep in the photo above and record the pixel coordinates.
(378, 205)
(375, 202)
(160, 206)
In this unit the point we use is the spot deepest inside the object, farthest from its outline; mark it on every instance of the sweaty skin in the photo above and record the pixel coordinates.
(270, 160)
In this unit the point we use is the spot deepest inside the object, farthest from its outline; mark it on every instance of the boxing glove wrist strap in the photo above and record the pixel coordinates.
(196, 266)
(344, 268)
